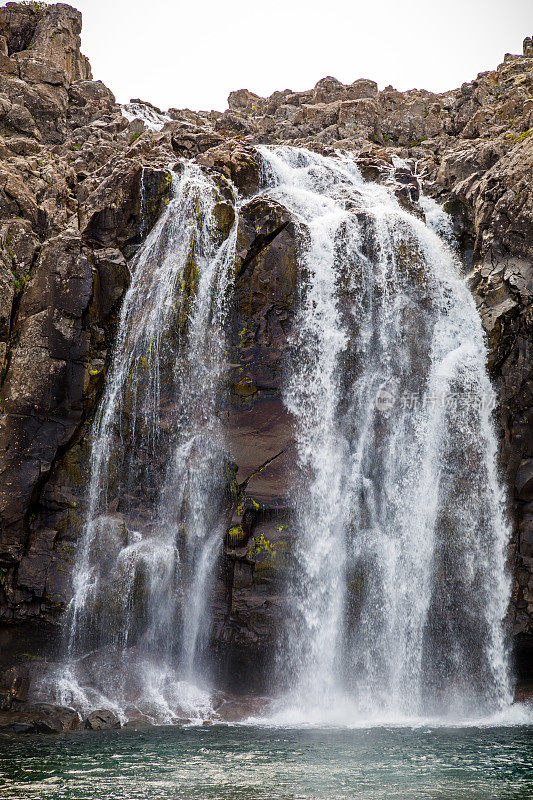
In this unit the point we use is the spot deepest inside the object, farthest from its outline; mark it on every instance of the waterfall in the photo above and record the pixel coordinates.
(155, 518)
(400, 588)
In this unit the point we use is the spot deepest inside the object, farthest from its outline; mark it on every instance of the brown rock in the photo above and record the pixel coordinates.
(242, 99)
(102, 720)
(52, 33)
(236, 161)
(39, 718)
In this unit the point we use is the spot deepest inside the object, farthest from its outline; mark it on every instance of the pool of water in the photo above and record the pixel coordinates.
(253, 763)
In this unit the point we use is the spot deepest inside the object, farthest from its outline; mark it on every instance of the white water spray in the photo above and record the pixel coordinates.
(401, 586)
(155, 516)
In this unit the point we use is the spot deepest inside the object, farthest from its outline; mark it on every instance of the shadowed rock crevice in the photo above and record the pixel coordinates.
(258, 245)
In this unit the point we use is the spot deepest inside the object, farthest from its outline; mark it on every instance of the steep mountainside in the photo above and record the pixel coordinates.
(81, 185)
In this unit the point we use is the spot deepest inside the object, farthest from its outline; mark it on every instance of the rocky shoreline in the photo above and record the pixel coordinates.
(22, 713)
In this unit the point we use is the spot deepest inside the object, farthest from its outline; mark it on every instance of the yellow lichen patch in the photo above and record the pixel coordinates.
(244, 387)
(235, 488)
(236, 536)
(247, 502)
(520, 137)
(245, 337)
(262, 548)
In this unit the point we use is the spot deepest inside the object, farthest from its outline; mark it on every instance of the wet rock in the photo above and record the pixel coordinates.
(524, 480)
(236, 161)
(43, 388)
(407, 190)
(526, 542)
(143, 725)
(33, 568)
(39, 718)
(262, 221)
(232, 708)
(102, 720)
(14, 686)
(125, 204)
(264, 297)
(113, 278)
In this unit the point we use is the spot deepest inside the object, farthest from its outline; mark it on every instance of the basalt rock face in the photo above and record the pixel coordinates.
(81, 186)
(75, 202)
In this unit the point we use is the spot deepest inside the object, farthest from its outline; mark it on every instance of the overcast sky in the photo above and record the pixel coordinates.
(192, 53)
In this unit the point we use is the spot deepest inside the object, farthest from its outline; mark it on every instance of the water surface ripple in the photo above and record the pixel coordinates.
(248, 763)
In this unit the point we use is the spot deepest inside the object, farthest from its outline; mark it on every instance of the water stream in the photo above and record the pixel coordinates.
(136, 623)
(401, 586)
(400, 591)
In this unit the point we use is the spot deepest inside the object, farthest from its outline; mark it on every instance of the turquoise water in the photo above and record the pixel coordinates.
(251, 763)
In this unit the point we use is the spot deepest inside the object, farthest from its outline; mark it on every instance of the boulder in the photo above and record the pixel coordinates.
(102, 720)
(39, 718)
(237, 161)
(242, 99)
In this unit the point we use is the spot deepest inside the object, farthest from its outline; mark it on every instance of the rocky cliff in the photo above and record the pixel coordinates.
(81, 184)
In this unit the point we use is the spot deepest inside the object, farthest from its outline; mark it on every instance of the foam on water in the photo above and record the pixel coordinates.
(346, 713)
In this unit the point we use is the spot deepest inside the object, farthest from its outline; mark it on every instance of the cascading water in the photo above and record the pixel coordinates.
(156, 498)
(152, 118)
(401, 586)
(400, 589)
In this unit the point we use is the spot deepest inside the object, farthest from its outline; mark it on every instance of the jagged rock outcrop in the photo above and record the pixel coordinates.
(80, 187)
(44, 41)
(39, 718)
(72, 209)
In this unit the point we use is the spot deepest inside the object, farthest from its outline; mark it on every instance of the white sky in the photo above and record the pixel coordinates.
(192, 53)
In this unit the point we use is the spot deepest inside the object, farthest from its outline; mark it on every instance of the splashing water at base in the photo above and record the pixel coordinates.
(401, 586)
